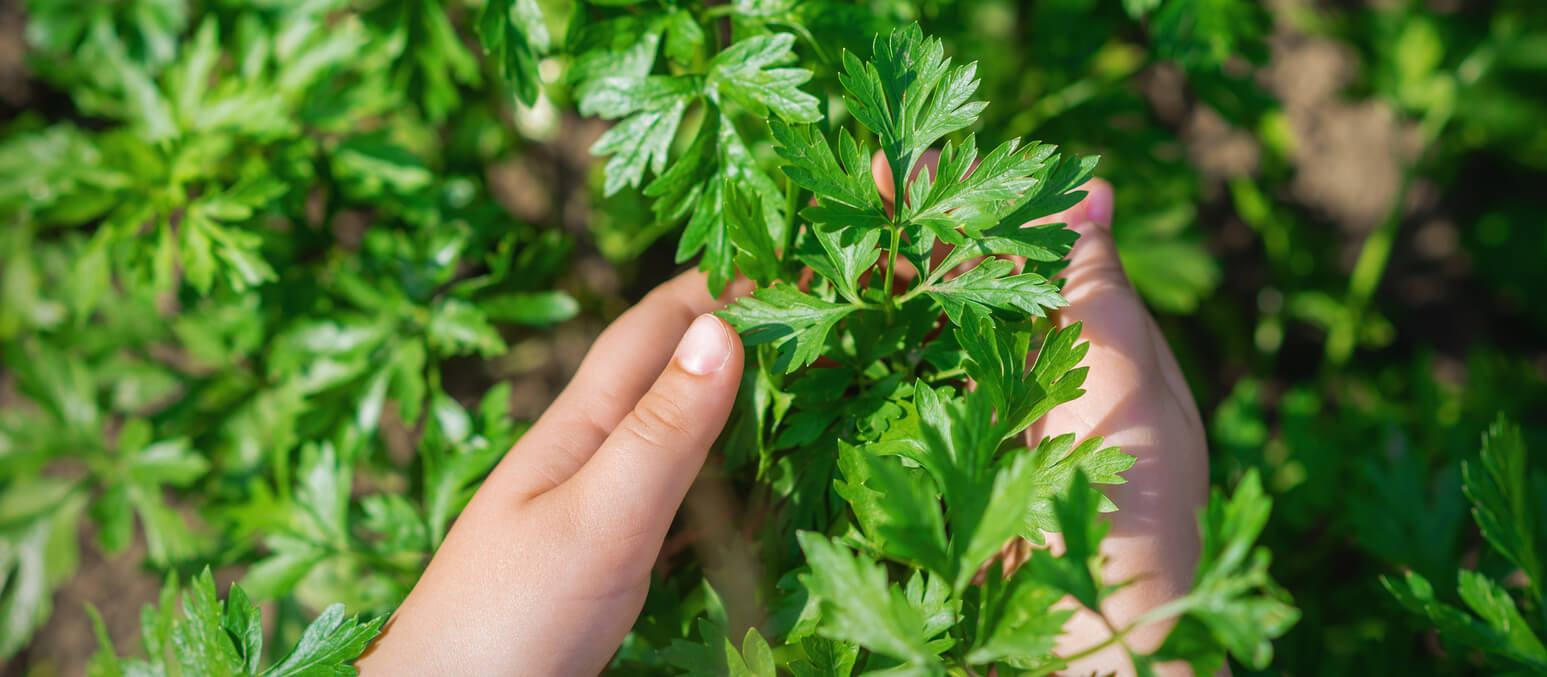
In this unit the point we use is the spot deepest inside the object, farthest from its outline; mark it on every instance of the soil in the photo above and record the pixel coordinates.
(116, 585)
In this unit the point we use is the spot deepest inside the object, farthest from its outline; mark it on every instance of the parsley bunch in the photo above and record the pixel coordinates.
(858, 385)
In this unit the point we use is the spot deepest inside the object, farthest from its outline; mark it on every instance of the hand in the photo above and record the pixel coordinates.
(547, 568)
(1136, 398)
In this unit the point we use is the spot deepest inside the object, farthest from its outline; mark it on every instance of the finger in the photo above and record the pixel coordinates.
(1100, 295)
(1102, 298)
(626, 495)
(1130, 361)
(615, 373)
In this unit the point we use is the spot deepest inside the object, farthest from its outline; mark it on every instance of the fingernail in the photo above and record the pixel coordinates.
(705, 348)
(1098, 203)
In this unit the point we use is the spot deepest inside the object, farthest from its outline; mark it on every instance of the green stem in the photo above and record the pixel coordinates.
(1115, 638)
(934, 276)
(791, 206)
(1374, 254)
(891, 268)
(1369, 268)
(961, 652)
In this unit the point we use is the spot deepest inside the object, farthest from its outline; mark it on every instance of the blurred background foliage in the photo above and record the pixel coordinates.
(281, 277)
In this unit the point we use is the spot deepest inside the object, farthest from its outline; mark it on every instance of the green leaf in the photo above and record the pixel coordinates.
(991, 286)
(909, 95)
(795, 322)
(1501, 631)
(617, 97)
(245, 625)
(741, 73)
(327, 645)
(451, 471)
(996, 358)
(1205, 34)
(857, 604)
(756, 659)
(514, 33)
(638, 142)
(714, 655)
(840, 263)
(457, 327)
(1016, 619)
(1054, 464)
(1078, 572)
(623, 47)
(202, 645)
(373, 163)
(1498, 485)
(1053, 191)
(985, 493)
(684, 36)
(897, 508)
(846, 194)
(533, 309)
(758, 258)
(1491, 602)
(959, 195)
(104, 663)
(825, 658)
(38, 552)
(695, 185)
(1233, 596)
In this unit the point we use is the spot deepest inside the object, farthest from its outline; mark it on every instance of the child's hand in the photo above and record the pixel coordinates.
(547, 568)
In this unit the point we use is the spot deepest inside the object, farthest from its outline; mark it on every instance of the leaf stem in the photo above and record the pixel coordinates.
(1049, 669)
(1375, 252)
(891, 267)
(916, 290)
(791, 207)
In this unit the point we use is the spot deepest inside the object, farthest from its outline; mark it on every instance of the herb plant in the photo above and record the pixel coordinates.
(860, 385)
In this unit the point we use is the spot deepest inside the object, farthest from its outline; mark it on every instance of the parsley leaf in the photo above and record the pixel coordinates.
(1078, 571)
(996, 359)
(1499, 486)
(513, 32)
(991, 286)
(910, 96)
(741, 74)
(1497, 628)
(1055, 463)
(1234, 604)
(327, 645)
(796, 323)
(1016, 619)
(857, 604)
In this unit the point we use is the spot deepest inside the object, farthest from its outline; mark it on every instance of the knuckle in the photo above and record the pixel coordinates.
(659, 420)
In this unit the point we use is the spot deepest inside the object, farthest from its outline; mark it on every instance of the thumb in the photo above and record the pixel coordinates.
(629, 491)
